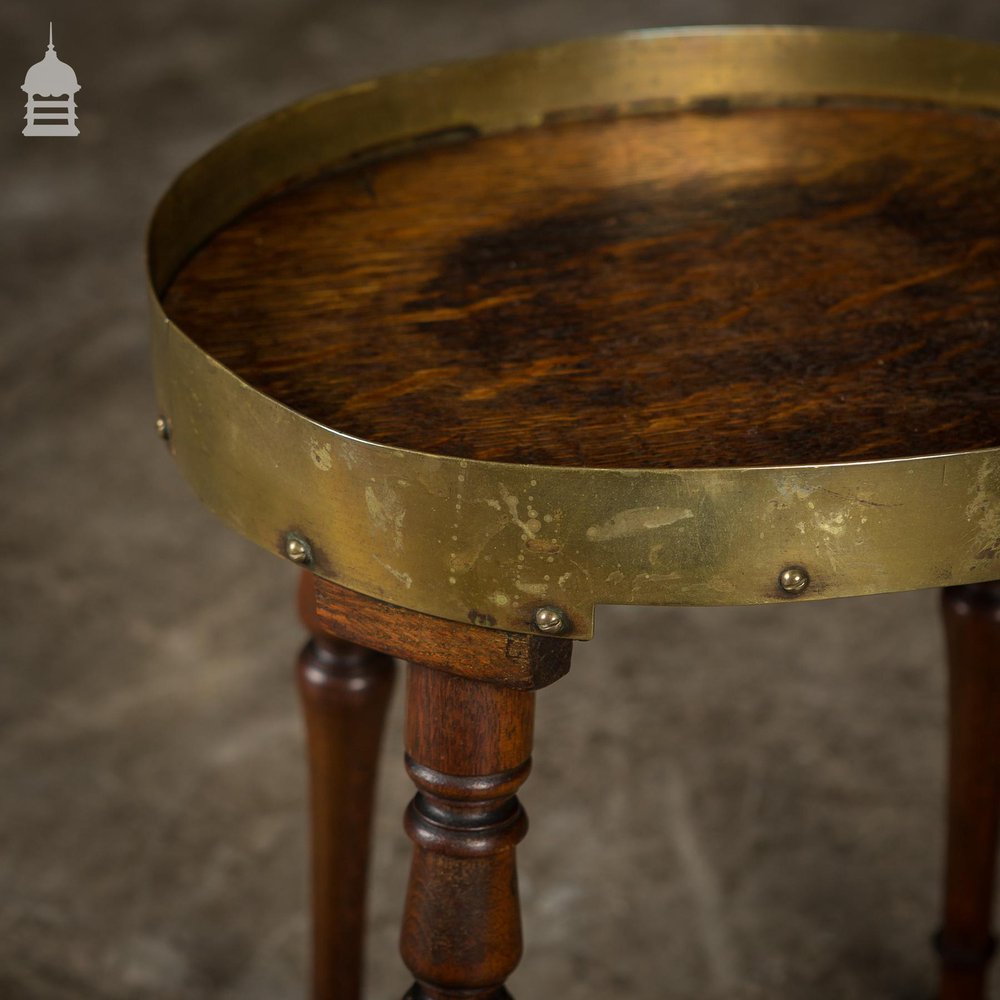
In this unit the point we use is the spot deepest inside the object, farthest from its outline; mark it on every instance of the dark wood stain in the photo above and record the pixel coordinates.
(511, 659)
(345, 692)
(763, 286)
(965, 942)
(468, 751)
(469, 729)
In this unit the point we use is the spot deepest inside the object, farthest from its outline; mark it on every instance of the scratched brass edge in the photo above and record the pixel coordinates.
(490, 542)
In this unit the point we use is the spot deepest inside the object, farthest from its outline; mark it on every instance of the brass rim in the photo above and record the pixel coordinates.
(495, 543)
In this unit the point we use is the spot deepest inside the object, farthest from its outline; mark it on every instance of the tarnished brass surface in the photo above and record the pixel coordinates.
(493, 542)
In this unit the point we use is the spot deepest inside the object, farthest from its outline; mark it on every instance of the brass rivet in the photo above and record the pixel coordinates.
(793, 579)
(163, 428)
(297, 549)
(549, 620)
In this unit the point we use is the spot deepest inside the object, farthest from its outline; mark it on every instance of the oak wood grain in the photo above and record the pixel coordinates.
(743, 287)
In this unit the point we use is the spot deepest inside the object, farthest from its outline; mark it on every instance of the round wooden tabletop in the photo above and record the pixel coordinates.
(714, 287)
(705, 316)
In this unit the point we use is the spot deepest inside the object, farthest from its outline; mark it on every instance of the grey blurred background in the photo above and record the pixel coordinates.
(726, 803)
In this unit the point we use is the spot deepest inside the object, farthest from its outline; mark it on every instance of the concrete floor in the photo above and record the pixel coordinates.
(726, 803)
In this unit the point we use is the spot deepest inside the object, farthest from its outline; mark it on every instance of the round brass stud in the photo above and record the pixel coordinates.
(163, 428)
(549, 620)
(298, 550)
(793, 579)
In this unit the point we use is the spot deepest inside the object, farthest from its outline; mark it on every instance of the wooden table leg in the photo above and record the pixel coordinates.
(470, 714)
(345, 692)
(468, 751)
(965, 942)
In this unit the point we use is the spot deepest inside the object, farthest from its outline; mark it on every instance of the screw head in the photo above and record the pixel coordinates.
(793, 579)
(163, 428)
(297, 549)
(549, 620)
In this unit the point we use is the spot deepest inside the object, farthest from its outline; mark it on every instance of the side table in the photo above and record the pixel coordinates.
(704, 316)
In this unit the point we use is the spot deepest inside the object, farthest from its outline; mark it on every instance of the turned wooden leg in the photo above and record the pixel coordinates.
(345, 691)
(965, 942)
(470, 711)
(468, 751)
